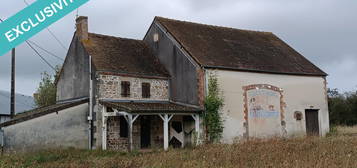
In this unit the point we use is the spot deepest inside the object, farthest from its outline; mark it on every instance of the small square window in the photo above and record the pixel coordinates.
(145, 90)
(298, 115)
(156, 37)
(125, 89)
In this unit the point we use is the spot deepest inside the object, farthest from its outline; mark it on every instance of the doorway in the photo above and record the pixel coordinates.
(145, 130)
(312, 122)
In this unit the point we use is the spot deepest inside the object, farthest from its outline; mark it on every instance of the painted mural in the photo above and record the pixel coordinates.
(263, 110)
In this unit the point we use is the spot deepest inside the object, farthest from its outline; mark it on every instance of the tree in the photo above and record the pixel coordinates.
(342, 107)
(46, 91)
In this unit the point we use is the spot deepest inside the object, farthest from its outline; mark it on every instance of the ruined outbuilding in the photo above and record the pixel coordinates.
(124, 94)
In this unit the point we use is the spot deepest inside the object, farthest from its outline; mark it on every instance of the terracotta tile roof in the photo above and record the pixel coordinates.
(38, 112)
(151, 107)
(228, 48)
(123, 55)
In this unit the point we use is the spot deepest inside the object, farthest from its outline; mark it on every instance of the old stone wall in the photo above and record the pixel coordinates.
(114, 141)
(110, 88)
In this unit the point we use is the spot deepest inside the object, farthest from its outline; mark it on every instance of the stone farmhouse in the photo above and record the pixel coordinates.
(123, 94)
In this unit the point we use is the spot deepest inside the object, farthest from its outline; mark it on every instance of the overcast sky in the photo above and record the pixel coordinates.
(324, 31)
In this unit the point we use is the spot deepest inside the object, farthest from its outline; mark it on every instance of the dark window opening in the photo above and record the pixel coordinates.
(145, 90)
(123, 127)
(109, 109)
(125, 88)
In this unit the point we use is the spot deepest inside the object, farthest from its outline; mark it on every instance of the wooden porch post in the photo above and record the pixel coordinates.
(130, 131)
(129, 118)
(104, 129)
(166, 119)
(166, 132)
(196, 117)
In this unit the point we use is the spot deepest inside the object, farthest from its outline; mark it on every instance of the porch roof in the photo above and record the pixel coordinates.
(151, 107)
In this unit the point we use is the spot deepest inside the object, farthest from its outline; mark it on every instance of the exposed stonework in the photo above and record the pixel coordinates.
(114, 141)
(110, 88)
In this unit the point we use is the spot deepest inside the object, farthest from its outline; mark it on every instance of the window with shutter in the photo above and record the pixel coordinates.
(125, 88)
(145, 90)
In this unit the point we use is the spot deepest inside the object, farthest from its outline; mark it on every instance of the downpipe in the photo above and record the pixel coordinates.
(90, 115)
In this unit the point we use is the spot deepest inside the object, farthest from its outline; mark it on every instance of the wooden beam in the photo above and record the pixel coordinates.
(104, 128)
(196, 117)
(166, 119)
(130, 131)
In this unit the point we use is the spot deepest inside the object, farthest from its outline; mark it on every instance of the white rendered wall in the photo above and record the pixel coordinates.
(299, 93)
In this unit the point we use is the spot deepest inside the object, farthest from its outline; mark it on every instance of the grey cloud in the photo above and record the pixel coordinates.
(324, 31)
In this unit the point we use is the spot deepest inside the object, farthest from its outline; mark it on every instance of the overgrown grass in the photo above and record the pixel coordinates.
(347, 130)
(333, 151)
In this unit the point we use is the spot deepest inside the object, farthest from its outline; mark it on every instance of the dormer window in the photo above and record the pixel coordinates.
(145, 90)
(125, 89)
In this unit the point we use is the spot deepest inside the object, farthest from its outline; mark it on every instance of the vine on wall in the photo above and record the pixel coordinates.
(212, 116)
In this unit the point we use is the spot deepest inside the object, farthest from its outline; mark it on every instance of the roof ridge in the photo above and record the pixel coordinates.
(124, 38)
(211, 25)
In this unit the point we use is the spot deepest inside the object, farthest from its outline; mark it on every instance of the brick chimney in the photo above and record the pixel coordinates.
(82, 27)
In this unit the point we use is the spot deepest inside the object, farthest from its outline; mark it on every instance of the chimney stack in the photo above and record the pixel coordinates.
(82, 27)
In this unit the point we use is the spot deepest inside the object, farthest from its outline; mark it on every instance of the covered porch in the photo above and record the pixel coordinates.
(143, 125)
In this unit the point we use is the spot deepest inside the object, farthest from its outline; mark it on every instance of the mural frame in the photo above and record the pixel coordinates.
(245, 105)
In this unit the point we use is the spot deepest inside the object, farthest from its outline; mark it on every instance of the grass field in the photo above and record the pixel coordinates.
(337, 150)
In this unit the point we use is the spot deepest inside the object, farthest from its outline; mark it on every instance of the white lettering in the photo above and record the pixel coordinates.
(23, 26)
(59, 6)
(43, 17)
(9, 35)
(33, 25)
(54, 9)
(17, 30)
(65, 2)
(48, 11)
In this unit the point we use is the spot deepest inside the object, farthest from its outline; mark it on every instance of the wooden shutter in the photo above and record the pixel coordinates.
(145, 90)
(125, 88)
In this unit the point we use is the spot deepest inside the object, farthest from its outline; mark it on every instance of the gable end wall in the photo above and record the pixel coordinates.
(185, 83)
(74, 78)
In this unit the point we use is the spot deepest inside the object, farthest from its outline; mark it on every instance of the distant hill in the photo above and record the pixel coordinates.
(22, 102)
